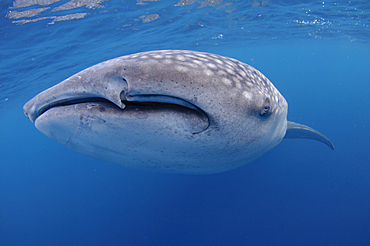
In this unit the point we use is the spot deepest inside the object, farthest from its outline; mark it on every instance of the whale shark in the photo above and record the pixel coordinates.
(174, 111)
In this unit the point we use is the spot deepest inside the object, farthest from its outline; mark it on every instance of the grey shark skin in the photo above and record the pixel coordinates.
(170, 111)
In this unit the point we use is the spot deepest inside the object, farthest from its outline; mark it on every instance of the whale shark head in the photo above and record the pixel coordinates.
(168, 111)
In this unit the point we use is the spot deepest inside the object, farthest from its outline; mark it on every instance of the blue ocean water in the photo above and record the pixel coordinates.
(317, 53)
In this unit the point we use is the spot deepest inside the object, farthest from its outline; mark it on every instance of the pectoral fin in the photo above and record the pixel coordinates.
(295, 130)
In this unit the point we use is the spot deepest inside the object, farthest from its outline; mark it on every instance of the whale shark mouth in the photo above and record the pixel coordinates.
(137, 102)
(65, 102)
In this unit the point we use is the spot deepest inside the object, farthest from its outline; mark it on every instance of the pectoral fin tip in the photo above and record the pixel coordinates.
(295, 130)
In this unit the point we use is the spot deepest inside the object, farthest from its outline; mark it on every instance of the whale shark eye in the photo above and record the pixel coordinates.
(266, 108)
